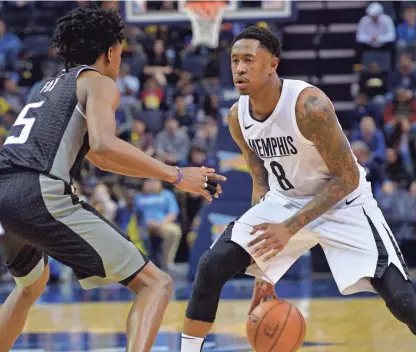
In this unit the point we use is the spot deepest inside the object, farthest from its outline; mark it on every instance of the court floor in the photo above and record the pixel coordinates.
(69, 319)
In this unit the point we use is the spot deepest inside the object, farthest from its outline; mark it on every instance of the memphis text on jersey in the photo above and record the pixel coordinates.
(271, 147)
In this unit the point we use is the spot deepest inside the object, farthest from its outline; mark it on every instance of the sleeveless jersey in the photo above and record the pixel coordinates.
(50, 134)
(295, 167)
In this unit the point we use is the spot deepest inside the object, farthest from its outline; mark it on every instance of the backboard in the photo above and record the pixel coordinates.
(168, 12)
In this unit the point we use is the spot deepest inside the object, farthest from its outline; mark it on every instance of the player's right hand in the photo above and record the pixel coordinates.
(262, 290)
(203, 181)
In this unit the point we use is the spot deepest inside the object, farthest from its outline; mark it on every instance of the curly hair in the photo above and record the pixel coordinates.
(267, 39)
(85, 33)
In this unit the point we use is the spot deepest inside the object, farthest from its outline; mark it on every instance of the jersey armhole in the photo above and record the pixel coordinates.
(79, 106)
(294, 120)
(241, 106)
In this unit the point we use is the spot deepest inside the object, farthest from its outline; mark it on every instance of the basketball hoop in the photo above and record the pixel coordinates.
(206, 18)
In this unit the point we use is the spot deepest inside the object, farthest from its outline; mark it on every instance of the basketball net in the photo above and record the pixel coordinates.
(206, 18)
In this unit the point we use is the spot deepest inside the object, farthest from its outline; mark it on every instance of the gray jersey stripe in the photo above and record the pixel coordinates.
(71, 143)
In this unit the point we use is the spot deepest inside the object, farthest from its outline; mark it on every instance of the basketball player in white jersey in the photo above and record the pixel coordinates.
(308, 189)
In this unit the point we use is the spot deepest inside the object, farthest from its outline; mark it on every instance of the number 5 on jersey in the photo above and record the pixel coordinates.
(26, 122)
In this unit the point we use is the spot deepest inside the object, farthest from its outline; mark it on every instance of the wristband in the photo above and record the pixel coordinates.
(179, 179)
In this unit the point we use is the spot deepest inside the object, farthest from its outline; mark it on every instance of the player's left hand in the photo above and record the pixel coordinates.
(275, 238)
(262, 290)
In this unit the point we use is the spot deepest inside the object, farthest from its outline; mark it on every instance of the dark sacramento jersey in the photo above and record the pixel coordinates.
(50, 134)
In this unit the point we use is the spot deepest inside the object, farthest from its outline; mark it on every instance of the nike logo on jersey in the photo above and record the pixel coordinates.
(348, 203)
(247, 127)
(271, 147)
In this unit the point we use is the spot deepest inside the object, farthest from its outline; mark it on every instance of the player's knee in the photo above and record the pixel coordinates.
(213, 271)
(165, 284)
(152, 278)
(34, 291)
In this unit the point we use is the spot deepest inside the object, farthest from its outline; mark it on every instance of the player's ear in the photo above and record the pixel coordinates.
(274, 64)
(110, 53)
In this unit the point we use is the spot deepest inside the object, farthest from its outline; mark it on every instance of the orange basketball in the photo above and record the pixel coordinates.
(276, 325)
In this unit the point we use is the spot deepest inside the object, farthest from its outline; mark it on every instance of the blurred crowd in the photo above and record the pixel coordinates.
(170, 108)
(383, 123)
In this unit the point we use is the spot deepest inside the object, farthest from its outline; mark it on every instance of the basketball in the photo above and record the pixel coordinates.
(276, 325)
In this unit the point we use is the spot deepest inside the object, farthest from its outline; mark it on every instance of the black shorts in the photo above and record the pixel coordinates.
(42, 217)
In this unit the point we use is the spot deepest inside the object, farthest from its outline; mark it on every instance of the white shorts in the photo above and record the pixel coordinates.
(356, 240)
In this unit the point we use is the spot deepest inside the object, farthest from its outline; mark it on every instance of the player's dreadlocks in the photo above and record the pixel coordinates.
(85, 33)
(268, 40)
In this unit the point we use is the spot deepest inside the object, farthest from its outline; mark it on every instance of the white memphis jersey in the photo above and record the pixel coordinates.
(295, 167)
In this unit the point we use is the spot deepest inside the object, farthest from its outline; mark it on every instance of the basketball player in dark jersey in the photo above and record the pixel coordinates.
(70, 116)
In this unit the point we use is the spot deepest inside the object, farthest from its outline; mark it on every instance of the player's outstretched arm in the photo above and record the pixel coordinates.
(318, 123)
(101, 97)
(255, 165)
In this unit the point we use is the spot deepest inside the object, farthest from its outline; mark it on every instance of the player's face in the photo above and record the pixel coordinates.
(252, 66)
(115, 58)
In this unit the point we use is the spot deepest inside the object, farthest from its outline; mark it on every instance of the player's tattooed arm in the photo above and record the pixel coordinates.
(318, 123)
(255, 165)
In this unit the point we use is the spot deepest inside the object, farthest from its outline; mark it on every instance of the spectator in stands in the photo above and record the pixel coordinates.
(152, 97)
(406, 31)
(158, 64)
(376, 29)
(376, 32)
(374, 169)
(141, 138)
(374, 83)
(211, 106)
(128, 220)
(181, 113)
(373, 138)
(158, 211)
(396, 169)
(133, 49)
(130, 106)
(187, 90)
(8, 119)
(172, 144)
(10, 46)
(364, 107)
(394, 204)
(12, 94)
(206, 136)
(102, 201)
(129, 85)
(404, 76)
(399, 132)
(192, 204)
(404, 104)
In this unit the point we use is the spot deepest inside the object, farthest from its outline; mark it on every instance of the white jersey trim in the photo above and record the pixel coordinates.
(80, 110)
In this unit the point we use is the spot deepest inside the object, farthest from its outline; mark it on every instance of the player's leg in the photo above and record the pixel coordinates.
(30, 269)
(360, 236)
(399, 295)
(27, 264)
(75, 234)
(230, 255)
(100, 253)
(153, 289)
(216, 266)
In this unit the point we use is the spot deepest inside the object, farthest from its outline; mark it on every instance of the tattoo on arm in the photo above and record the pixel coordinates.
(318, 123)
(256, 167)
